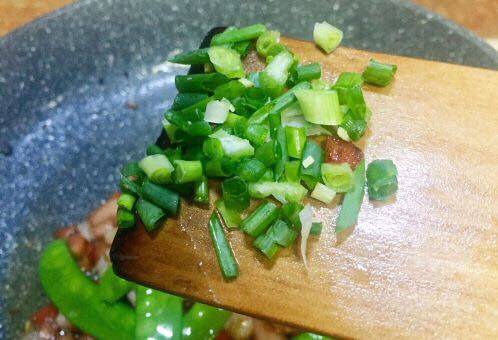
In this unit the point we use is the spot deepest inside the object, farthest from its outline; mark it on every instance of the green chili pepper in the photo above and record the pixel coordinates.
(77, 297)
(111, 287)
(203, 322)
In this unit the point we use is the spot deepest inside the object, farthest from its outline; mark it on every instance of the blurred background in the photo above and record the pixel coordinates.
(479, 16)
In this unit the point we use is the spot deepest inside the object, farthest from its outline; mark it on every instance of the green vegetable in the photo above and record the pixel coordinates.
(323, 193)
(150, 214)
(233, 146)
(126, 201)
(125, 219)
(77, 297)
(352, 200)
(295, 138)
(203, 322)
(382, 179)
(128, 186)
(197, 57)
(260, 219)
(327, 36)
(310, 336)
(132, 172)
(306, 72)
(212, 148)
(162, 197)
(257, 134)
(282, 191)
(348, 80)
(184, 100)
(157, 168)
(238, 34)
(217, 111)
(200, 83)
(235, 193)
(266, 41)
(292, 171)
(202, 191)
(231, 217)
(188, 171)
(355, 128)
(111, 287)
(353, 98)
(170, 130)
(275, 75)
(231, 90)
(320, 106)
(226, 61)
(316, 228)
(224, 167)
(338, 177)
(290, 212)
(159, 315)
(266, 245)
(282, 234)
(251, 170)
(378, 73)
(153, 149)
(224, 254)
(312, 172)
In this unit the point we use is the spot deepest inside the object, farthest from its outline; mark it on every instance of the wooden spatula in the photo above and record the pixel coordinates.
(423, 265)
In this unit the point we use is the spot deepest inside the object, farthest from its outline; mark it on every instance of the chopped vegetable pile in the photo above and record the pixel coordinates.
(271, 138)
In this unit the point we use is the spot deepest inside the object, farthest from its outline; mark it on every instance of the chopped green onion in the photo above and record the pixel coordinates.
(281, 153)
(188, 171)
(133, 172)
(378, 73)
(202, 191)
(233, 146)
(281, 233)
(202, 82)
(197, 57)
(192, 153)
(382, 179)
(306, 72)
(257, 134)
(266, 245)
(224, 167)
(292, 171)
(237, 123)
(327, 36)
(162, 197)
(290, 212)
(226, 61)
(275, 50)
(323, 193)
(224, 254)
(352, 200)
(320, 84)
(312, 172)
(275, 122)
(238, 34)
(251, 170)
(316, 228)
(275, 75)
(150, 214)
(266, 154)
(246, 82)
(217, 111)
(157, 168)
(242, 47)
(308, 161)
(231, 217)
(269, 176)
(338, 177)
(212, 148)
(235, 193)
(231, 90)
(353, 129)
(170, 130)
(128, 186)
(296, 138)
(126, 201)
(266, 41)
(305, 216)
(320, 106)
(260, 219)
(349, 79)
(125, 219)
(153, 149)
(282, 191)
(353, 98)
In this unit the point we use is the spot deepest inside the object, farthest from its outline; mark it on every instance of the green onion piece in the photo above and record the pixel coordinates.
(281, 153)
(275, 122)
(224, 167)
(266, 41)
(266, 245)
(212, 148)
(282, 234)
(193, 153)
(306, 72)
(242, 47)
(266, 154)
(268, 176)
(320, 106)
(226, 260)
(353, 98)
(237, 123)
(125, 219)
(233, 146)
(202, 82)
(378, 73)
(354, 128)
(310, 336)
(338, 177)
(296, 138)
(201, 129)
(173, 154)
(290, 212)
(275, 75)
(126, 201)
(277, 105)
(201, 194)
(197, 57)
(320, 84)
(238, 34)
(316, 228)
(282, 191)
(349, 79)
(292, 171)
(188, 171)
(157, 168)
(312, 172)
(162, 197)
(231, 217)
(275, 50)
(323, 193)
(153, 149)
(382, 179)
(251, 170)
(150, 214)
(226, 61)
(217, 111)
(260, 219)
(230, 90)
(128, 186)
(133, 172)
(235, 193)
(257, 134)
(327, 36)
(352, 200)
(190, 121)
(170, 130)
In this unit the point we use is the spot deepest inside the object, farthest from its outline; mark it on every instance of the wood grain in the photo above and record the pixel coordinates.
(424, 265)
